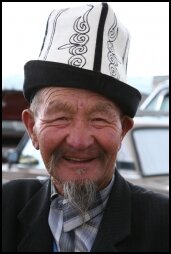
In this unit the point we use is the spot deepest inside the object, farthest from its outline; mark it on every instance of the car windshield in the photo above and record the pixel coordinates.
(159, 103)
(32, 156)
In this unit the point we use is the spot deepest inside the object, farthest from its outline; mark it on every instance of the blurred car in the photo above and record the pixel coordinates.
(144, 155)
(143, 158)
(158, 100)
(13, 103)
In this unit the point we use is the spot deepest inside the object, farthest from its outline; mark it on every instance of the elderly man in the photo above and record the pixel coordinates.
(80, 110)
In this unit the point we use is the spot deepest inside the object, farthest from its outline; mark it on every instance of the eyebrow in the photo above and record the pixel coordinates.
(105, 108)
(59, 106)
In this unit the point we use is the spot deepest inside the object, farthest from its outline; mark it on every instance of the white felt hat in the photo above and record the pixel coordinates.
(84, 47)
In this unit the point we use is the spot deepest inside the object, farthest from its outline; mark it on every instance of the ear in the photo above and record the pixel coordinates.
(29, 122)
(127, 124)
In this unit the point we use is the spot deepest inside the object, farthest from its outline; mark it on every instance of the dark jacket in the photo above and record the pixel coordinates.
(135, 220)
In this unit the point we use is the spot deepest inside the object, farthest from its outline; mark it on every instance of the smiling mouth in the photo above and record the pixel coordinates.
(78, 160)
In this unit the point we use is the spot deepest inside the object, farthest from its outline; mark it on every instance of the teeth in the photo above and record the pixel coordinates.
(76, 159)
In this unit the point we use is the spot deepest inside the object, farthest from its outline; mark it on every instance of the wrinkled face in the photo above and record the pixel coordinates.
(78, 133)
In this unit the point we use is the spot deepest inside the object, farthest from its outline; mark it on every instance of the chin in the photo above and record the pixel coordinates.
(79, 174)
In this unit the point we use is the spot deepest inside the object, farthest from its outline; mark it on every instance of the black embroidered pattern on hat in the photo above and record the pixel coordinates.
(77, 46)
(112, 35)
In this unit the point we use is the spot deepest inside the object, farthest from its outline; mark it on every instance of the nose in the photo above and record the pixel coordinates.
(80, 136)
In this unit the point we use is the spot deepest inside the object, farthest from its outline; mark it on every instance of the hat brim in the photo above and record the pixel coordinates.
(40, 74)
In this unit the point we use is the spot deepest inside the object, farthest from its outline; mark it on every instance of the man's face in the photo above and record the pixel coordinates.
(78, 133)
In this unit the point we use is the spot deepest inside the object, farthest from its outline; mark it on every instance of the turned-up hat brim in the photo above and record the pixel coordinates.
(40, 74)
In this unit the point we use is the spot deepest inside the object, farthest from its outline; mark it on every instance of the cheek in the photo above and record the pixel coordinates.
(110, 141)
(49, 140)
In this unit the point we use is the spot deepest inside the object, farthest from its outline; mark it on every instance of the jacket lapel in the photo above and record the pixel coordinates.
(36, 235)
(116, 222)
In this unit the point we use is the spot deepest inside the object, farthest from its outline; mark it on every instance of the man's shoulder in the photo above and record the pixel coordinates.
(145, 198)
(141, 194)
(19, 183)
(22, 187)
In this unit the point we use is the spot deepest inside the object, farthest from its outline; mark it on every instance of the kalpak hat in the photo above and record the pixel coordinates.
(84, 47)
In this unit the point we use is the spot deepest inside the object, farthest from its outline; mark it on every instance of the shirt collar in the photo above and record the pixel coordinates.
(54, 192)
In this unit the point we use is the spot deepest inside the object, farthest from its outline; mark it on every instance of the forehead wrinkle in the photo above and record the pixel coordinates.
(45, 90)
(51, 90)
(57, 103)
(49, 93)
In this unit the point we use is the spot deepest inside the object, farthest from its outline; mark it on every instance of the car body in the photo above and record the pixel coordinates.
(143, 158)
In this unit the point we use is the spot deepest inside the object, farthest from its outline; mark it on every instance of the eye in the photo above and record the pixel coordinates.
(99, 121)
(59, 120)
(62, 119)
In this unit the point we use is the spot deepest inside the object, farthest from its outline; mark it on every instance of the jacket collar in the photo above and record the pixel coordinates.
(115, 225)
(116, 221)
(36, 234)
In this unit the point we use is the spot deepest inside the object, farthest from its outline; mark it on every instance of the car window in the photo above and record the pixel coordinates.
(152, 145)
